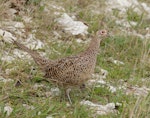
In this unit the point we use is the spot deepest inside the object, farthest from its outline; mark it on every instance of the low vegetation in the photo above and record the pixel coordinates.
(132, 50)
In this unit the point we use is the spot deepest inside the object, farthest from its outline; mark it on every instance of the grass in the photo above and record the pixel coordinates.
(133, 51)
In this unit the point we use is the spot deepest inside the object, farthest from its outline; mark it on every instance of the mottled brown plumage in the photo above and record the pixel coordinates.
(72, 70)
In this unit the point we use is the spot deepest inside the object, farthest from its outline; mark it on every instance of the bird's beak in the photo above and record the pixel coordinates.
(110, 34)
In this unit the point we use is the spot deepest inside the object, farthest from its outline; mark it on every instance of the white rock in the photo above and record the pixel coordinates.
(8, 109)
(123, 87)
(79, 40)
(100, 109)
(125, 23)
(110, 106)
(5, 80)
(123, 6)
(11, 12)
(50, 6)
(8, 71)
(27, 19)
(99, 81)
(138, 91)
(134, 33)
(146, 8)
(57, 7)
(97, 76)
(101, 75)
(48, 93)
(28, 107)
(19, 25)
(20, 53)
(117, 62)
(36, 86)
(71, 26)
(96, 82)
(55, 91)
(49, 116)
(68, 104)
(7, 36)
(112, 89)
(7, 58)
(57, 13)
(39, 113)
(127, 3)
(14, 27)
(57, 35)
(13, 24)
(118, 104)
(33, 43)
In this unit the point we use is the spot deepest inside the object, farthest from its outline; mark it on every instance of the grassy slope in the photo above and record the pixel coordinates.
(133, 51)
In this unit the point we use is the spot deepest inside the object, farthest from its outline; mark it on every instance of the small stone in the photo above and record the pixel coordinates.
(8, 109)
(28, 107)
(55, 91)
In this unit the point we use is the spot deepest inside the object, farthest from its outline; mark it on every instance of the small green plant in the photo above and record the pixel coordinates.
(35, 2)
(133, 51)
(134, 16)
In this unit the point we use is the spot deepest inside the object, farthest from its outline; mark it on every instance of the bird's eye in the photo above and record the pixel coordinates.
(103, 32)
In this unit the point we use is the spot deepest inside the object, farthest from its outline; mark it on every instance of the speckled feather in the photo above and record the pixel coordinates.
(72, 70)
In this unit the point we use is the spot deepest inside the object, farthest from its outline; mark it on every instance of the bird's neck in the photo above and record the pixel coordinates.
(93, 46)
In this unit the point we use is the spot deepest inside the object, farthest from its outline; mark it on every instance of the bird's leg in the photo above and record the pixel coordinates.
(68, 95)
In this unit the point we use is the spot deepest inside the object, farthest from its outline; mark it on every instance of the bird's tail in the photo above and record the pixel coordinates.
(24, 48)
(36, 56)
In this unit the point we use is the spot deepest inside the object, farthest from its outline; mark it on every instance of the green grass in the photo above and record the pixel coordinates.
(133, 51)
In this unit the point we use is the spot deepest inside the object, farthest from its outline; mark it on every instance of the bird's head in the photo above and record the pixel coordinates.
(102, 34)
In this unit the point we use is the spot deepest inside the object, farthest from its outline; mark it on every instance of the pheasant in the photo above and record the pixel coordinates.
(71, 70)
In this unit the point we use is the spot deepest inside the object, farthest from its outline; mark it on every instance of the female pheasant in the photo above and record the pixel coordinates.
(72, 70)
